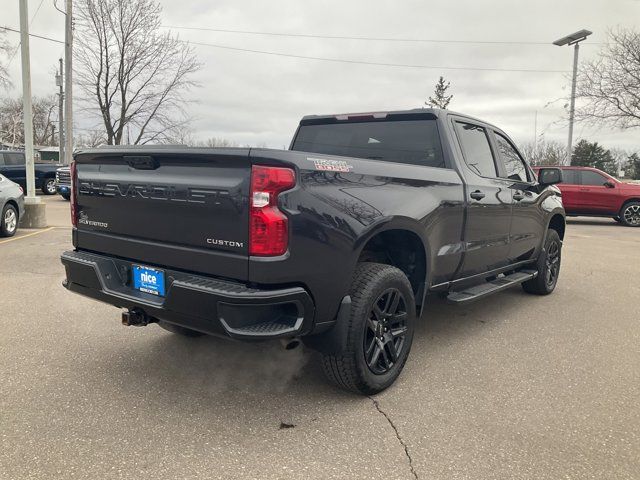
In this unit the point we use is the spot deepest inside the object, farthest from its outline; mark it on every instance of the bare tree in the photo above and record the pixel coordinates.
(610, 85)
(45, 116)
(133, 74)
(184, 136)
(218, 142)
(5, 50)
(90, 139)
(544, 152)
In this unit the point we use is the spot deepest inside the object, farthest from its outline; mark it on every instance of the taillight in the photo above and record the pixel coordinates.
(74, 199)
(268, 226)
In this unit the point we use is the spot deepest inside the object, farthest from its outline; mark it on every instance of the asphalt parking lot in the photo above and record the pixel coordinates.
(514, 386)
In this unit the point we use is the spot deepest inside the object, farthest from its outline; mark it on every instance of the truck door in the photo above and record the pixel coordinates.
(488, 217)
(528, 220)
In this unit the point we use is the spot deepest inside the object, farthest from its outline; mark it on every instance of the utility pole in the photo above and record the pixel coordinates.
(68, 87)
(35, 214)
(27, 112)
(59, 83)
(573, 39)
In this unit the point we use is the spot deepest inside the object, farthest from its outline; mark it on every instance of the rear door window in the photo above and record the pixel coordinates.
(14, 159)
(591, 178)
(476, 149)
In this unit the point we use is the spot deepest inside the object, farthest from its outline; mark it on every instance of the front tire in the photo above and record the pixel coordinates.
(9, 221)
(380, 331)
(630, 214)
(548, 266)
(49, 186)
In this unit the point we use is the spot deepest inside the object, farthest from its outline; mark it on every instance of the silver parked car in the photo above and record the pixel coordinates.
(11, 206)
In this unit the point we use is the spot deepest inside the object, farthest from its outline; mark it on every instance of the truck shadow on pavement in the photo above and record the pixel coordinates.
(208, 369)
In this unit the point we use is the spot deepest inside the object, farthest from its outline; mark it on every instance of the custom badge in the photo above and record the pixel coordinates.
(326, 165)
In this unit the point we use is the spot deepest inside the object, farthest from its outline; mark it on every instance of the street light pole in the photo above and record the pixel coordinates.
(27, 112)
(572, 106)
(68, 86)
(34, 210)
(573, 39)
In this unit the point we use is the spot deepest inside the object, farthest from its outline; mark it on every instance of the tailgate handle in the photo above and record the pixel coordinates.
(141, 163)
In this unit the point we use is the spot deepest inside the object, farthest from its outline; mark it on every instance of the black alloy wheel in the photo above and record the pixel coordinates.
(385, 332)
(552, 264)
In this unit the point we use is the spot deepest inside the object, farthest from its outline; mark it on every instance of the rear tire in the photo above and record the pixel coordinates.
(177, 329)
(9, 221)
(548, 266)
(49, 186)
(379, 333)
(630, 214)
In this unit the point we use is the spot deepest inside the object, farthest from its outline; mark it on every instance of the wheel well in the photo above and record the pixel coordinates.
(557, 223)
(629, 200)
(15, 205)
(404, 250)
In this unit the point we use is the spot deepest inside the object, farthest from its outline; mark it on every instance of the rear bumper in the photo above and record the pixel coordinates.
(209, 305)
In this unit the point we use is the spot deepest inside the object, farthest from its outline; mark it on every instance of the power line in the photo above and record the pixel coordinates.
(376, 39)
(379, 64)
(34, 35)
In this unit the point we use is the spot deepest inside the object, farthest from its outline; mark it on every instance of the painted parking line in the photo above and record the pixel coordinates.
(27, 235)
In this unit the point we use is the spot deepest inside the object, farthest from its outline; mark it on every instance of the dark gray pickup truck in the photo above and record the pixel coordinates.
(337, 241)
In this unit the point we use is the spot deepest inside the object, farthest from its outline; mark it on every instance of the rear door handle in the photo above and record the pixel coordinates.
(477, 195)
(518, 196)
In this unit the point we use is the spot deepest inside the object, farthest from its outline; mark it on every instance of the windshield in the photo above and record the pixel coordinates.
(403, 141)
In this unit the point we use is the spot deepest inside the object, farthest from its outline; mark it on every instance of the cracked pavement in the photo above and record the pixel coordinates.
(514, 386)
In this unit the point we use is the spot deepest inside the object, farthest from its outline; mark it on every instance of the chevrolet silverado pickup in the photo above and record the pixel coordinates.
(336, 241)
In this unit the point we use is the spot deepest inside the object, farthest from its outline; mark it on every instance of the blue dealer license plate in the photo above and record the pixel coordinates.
(148, 280)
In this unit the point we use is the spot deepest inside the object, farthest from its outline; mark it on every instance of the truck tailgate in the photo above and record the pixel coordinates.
(185, 209)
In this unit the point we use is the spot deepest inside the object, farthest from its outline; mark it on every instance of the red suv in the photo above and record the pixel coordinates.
(591, 192)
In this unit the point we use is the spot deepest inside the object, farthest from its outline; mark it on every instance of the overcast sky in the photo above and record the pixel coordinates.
(254, 98)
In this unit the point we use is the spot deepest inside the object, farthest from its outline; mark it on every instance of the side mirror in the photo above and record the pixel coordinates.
(609, 184)
(549, 176)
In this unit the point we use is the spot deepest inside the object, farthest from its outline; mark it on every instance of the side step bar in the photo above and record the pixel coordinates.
(478, 291)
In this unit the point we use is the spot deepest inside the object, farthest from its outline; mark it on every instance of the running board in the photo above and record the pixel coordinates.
(487, 288)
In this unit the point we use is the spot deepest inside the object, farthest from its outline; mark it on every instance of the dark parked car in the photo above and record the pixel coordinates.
(337, 240)
(591, 192)
(63, 182)
(12, 166)
(11, 206)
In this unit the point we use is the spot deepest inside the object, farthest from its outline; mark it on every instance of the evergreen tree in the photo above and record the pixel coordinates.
(440, 98)
(633, 167)
(587, 154)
